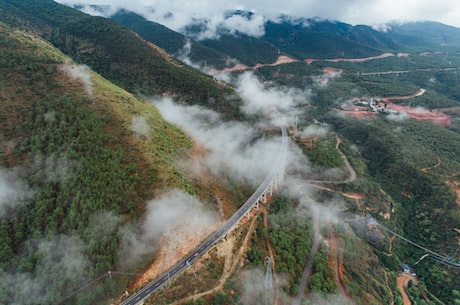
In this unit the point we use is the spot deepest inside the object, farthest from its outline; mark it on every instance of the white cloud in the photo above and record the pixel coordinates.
(252, 27)
(397, 116)
(60, 264)
(253, 291)
(259, 99)
(234, 147)
(231, 145)
(177, 217)
(8, 191)
(219, 24)
(177, 14)
(12, 191)
(322, 81)
(140, 126)
(81, 73)
(384, 11)
(323, 214)
(314, 131)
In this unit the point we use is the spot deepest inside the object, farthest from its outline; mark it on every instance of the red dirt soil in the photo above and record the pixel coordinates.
(403, 281)
(281, 60)
(170, 252)
(384, 55)
(353, 195)
(358, 113)
(330, 70)
(418, 113)
(238, 67)
(456, 187)
(422, 114)
(336, 263)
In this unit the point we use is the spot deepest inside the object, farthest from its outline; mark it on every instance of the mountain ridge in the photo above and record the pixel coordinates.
(114, 51)
(85, 151)
(300, 38)
(80, 170)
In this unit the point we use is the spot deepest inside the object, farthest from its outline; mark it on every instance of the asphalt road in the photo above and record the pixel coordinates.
(194, 255)
(307, 269)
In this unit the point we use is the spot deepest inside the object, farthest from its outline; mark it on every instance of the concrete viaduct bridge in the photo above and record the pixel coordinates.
(271, 182)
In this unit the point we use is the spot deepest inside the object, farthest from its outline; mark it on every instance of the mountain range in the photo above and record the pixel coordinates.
(109, 123)
(299, 38)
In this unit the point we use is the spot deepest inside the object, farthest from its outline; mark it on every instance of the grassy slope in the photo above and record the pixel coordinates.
(76, 156)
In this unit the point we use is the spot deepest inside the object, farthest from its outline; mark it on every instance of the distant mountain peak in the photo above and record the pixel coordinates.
(302, 21)
(96, 9)
(232, 22)
(246, 14)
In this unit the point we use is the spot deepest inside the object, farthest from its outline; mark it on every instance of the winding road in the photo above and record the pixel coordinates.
(307, 268)
(195, 254)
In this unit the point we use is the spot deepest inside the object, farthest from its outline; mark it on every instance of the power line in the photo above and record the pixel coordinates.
(436, 256)
(268, 280)
(86, 285)
(81, 288)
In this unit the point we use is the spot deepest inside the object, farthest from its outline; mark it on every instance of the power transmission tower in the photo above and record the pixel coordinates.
(269, 293)
(268, 274)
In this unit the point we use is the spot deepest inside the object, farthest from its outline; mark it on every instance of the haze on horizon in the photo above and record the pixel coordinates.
(376, 13)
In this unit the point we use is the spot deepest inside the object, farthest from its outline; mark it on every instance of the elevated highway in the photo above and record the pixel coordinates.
(265, 189)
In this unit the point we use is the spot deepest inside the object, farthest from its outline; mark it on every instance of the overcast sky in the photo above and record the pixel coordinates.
(369, 12)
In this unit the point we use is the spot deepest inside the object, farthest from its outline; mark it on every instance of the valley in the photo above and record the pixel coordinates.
(302, 161)
(283, 59)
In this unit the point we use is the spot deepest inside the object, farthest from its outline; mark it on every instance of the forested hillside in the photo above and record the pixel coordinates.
(423, 35)
(172, 42)
(320, 39)
(299, 38)
(428, 212)
(115, 52)
(81, 153)
(71, 163)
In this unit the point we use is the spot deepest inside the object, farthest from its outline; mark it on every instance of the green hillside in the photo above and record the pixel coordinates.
(246, 49)
(413, 164)
(172, 42)
(426, 35)
(310, 42)
(320, 39)
(71, 148)
(299, 38)
(75, 171)
(115, 52)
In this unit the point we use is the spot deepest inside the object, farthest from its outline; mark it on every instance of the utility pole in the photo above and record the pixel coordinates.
(219, 206)
(268, 282)
(268, 274)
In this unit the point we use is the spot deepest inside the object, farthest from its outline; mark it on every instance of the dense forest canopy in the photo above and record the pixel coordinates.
(76, 175)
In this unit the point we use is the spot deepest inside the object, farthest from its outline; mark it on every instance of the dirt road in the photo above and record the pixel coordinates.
(403, 281)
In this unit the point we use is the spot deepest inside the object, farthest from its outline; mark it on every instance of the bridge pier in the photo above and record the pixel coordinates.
(278, 179)
(264, 197)
(271, 187)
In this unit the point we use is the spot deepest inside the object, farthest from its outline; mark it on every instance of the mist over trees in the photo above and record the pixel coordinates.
(92, 177)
